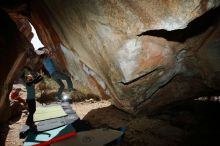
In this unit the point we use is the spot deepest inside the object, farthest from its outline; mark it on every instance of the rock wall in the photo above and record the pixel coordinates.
(16, 53)
(13, 50)
(141, 53)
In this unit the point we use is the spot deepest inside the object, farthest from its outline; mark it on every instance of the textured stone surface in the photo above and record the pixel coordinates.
(23, 25)
(141, 54)
(109, 41)
(13, 55)
(17, 52)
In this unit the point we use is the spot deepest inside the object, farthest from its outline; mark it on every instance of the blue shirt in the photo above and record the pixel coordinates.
(49, 65)
(30, 92)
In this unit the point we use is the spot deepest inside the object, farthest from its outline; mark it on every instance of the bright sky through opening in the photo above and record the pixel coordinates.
(35, 40)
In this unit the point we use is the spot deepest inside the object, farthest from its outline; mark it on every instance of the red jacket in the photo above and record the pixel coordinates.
(14, 94)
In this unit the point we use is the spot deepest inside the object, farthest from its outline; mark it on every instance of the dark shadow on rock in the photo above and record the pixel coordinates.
(195, 27)
(4, 129)
(82, 125)
(199, 119)
(108, 117)
(185, 123)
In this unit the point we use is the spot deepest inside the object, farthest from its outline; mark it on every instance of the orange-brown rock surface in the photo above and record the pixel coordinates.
(139, 52)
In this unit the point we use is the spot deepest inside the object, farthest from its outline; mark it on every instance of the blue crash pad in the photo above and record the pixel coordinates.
(36, 138)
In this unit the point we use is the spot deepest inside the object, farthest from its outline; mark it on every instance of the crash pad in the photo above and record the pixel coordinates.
(49, 136)
(52, 123)
(95, 137)
(48, 112)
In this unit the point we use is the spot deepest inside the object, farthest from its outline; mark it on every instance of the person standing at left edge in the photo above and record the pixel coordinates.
(31, 102)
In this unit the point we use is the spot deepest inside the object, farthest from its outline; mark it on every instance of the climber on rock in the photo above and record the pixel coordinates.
(54, 73)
